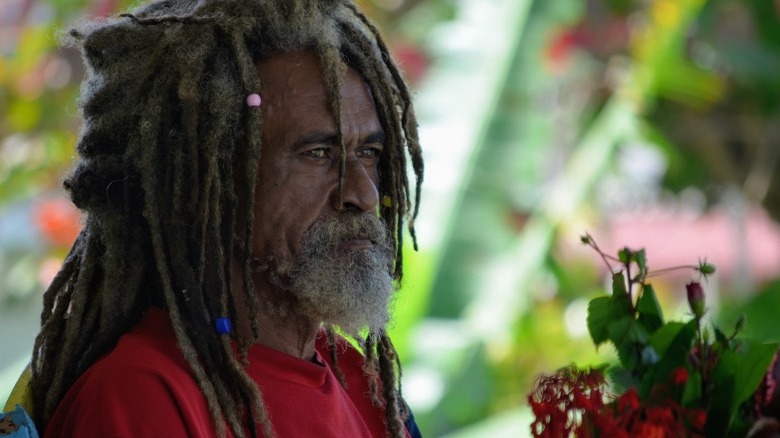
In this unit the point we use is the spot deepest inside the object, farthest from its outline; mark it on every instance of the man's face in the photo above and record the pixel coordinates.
(316, 243)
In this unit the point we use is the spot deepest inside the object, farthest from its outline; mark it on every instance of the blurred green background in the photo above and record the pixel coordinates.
(648, 123)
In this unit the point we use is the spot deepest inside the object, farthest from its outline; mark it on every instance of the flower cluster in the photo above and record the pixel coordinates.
(673, 379)
(574, 402)
(561, 401)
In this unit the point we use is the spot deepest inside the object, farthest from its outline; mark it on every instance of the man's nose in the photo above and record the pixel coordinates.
(359, 192)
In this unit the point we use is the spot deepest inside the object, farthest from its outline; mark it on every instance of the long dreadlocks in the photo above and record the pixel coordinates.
(166, 146)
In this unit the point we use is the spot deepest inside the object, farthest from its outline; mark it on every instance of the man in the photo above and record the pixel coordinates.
(243, 174)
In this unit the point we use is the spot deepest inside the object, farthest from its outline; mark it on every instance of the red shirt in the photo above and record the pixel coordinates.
(144, 388)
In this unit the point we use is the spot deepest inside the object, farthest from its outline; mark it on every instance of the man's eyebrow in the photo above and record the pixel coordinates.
(331, 138)
(376, 137)
(320, 137)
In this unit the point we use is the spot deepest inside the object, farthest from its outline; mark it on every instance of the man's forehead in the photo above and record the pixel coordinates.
(290, 74)
(297, 74)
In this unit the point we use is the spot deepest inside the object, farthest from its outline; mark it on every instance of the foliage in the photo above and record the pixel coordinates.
(761, 306)
(673, 378)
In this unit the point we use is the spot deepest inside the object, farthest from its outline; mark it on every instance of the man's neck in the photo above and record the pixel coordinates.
(291, 334)
(282, 331)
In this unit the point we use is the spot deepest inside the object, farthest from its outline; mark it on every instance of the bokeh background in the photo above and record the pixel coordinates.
(647, 123)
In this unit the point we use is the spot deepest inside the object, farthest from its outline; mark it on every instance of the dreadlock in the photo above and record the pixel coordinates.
(166, 147)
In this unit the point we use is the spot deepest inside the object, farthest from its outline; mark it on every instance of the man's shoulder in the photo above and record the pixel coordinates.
(149, 347)
(146, 356)
(143, 379)
(132, 375)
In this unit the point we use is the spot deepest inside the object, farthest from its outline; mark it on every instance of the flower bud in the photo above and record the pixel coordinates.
(695, 298)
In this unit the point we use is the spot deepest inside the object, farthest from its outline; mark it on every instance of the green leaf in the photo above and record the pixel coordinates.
(767, 22)
(629, 356)
(621, 379)
(650, 314)
(626, 330)
(721, 338)
(727, 366)
(663, 337)
(619, 285)
(601, 312)
(629, 338)
(691, 396)
(675, 354)
(740, 324)
(641, 261)
(719, 413)
(624, 255)
(752, 369)
(735, 378)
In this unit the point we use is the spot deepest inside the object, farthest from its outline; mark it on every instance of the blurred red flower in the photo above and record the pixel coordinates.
(58, 220)
(679, 376)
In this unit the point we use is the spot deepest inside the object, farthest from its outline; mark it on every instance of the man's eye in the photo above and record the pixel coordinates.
(371, 153)
(317, 153)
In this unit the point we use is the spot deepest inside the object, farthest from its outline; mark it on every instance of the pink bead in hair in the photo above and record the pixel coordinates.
(253, 99)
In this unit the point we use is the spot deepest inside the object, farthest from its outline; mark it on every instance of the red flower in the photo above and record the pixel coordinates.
(567, 402)
(58, 220)
(629, 401)
(649, 430)
(571, 402)
(698, 418)
(560, 46)
(663, 415)
(679, 376)
(412, 59)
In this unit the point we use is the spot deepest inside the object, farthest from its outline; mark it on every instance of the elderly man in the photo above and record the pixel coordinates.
(243, 174)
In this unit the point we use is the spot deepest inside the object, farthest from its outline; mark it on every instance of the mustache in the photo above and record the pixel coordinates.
(328, 233)
(351, 289)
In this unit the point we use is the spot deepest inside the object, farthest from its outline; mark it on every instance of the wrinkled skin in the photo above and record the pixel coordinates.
(299, 163)
(298, 183)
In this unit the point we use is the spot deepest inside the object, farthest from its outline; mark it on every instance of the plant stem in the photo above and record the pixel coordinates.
(703, 362)
(665, 270)
(630, 288)
(592, 243)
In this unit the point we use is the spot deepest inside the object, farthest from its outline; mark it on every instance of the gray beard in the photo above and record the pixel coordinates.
(347, 288)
